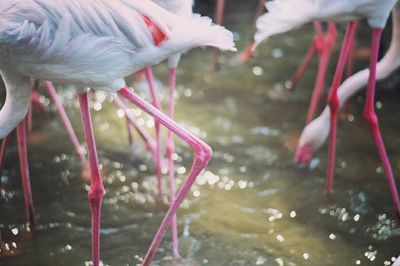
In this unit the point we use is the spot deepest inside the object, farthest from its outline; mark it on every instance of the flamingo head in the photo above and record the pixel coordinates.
(312, 138)
(303, 155)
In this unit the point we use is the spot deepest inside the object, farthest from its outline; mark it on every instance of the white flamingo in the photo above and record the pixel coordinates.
(96, 43)
(284, 15)
(316, 133)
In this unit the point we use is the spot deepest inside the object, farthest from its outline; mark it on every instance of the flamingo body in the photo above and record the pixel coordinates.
(89, 44)
(285, 15)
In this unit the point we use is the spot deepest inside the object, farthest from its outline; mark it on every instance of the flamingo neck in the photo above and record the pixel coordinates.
(18, 97)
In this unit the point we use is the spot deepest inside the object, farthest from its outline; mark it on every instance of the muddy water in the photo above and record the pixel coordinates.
(252, 205)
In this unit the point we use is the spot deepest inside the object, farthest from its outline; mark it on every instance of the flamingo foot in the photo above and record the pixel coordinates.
(303, 155)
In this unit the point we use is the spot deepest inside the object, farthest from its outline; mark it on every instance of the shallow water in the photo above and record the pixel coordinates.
(252, 205)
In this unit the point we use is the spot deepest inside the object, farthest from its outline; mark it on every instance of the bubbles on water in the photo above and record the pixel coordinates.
(350, 117)
(261, 261)
(280, 261)
(385, 228)
(273, 214)
(280, 238)
(65, 249)
(277, 53)
(265, 131)
(142, 168)
(314, 163)
(150, 123)
(208, 178)
(97, 106)
(188, 93)
(15, 231)
(6, 195)
(60, 158)
(181, 170)
(370, 254)
(379, 170)
(196, 194)
(90, 263)
(242, 184)
(120, 113)
(257, 70)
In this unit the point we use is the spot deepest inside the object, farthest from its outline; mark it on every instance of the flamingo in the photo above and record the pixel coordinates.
(96, 44)
(316, 133)
(284, 15)
(397, 262)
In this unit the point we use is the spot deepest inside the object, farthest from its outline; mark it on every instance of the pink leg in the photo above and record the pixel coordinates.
(26, 183)
(219, 12)
(333, 101)
(171, 167)
(96, 191)
(150, 143)
(202, 156)
(3, 149)
(350, 59)
(372, 119)
(325, 44)
(319, 84)
(128, 127)
(157, 104)
(66, 121)
(302, 67)
(246, 54)
(36, 101)
(29, 119)
(309, 55)
(138, 76)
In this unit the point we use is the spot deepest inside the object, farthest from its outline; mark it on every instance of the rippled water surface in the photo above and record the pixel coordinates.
(252, 205)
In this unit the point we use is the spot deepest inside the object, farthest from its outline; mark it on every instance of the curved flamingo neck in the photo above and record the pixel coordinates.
(19, 91)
